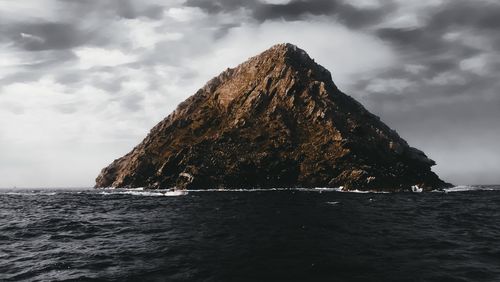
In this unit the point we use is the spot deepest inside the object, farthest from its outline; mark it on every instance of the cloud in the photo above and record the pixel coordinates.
(481, 15)
(217, 6)
(44, 35)
(355, 51)
(184, 14)
(32, 37)
(92, 57)
(126, 9)
(40, 10)
(354, 16)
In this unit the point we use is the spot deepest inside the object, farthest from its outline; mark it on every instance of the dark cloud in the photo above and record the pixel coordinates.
(355, 17)
(44, 35)
(440, 65)
(49, 44)
(217, 6)
(424, 40)
(120, 8)
(346, 13)
(404, 37)
(482, 15)
(81, 23)
(429, 46)
(295, 10)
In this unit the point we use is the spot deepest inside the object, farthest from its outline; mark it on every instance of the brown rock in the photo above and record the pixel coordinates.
(277, 120)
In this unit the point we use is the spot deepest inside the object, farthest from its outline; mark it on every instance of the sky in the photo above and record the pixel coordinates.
(83, 81)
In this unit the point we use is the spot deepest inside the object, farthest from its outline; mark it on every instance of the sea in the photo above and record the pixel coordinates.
(249, 235)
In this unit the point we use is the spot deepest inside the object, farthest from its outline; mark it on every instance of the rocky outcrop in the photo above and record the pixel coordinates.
(277, 120)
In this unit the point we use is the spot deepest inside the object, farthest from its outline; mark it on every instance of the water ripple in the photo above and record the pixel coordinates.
(283, 235)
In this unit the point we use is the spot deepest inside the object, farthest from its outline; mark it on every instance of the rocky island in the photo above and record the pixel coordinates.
(276, 120)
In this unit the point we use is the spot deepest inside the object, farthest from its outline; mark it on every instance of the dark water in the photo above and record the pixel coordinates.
(249, 236)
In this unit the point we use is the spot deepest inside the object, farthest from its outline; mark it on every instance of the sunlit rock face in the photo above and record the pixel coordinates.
(276, 120)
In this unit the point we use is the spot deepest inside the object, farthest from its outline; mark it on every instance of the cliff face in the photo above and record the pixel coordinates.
(277, 120)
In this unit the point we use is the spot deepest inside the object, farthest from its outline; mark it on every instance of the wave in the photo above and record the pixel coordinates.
(365, 192)
(469, 188)
(136, 192)
(266, 190)
(26, 193)
(167, 192)
(141, 191)
(317, 189)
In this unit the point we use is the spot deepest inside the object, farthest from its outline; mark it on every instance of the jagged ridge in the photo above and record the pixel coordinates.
(277, 120)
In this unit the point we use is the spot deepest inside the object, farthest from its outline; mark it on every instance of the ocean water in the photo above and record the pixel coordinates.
(281, 235)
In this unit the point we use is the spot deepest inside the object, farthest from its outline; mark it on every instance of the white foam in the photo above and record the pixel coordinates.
(326, 189)
(121, 189)
(175, 193)
(136, 192)
(317, 189)
(242, 190)
(364, 191)
(416, 189)
(332, 203)
(357, 191)
(467, 188)
(267, 190)
(178, 192)
(136, 189)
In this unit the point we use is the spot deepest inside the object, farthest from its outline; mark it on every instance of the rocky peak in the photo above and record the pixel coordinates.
(276, 120)
(281, 62)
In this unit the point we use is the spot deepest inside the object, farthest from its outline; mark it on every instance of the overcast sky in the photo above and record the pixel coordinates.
(83, 81)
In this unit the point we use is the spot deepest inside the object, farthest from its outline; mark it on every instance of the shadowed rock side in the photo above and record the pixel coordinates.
(277, 120)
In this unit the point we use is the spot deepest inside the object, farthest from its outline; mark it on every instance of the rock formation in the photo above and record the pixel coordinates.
(277, 120)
